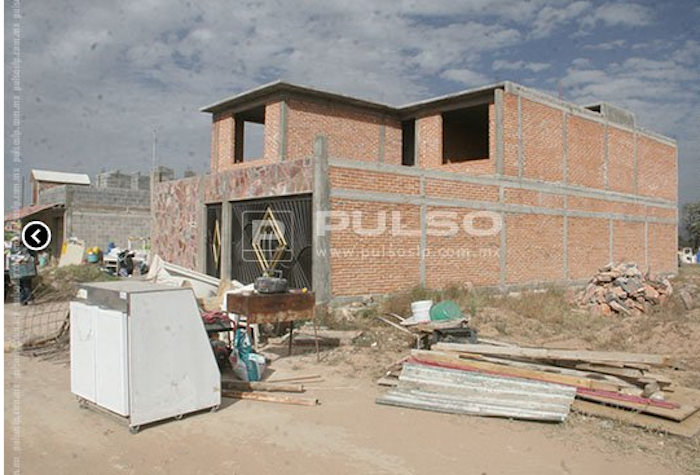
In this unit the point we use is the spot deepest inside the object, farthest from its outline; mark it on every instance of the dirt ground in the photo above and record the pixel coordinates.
(348, 432)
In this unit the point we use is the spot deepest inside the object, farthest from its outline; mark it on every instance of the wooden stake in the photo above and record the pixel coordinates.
(260, 396)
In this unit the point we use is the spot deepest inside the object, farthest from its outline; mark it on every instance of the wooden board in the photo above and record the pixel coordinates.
(553, 369)
(678, 414)
(272, 308)
(687, 428)
(565, 355)
(504, 370)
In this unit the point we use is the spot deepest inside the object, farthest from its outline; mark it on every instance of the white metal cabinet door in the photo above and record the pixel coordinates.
(172, 366)
(82, 351)
(111, 357)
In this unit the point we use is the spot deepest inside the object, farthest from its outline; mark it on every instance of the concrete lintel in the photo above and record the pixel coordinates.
(321, 259)
(511, 182)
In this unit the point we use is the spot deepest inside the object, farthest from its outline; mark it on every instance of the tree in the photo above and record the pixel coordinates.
(691, 222)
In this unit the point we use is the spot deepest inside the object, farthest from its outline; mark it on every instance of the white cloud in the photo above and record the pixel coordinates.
(550, 18)
(622, 14)
(607, 46)
(98, 76)
(619, 14)
(465, 76)
(535, 67)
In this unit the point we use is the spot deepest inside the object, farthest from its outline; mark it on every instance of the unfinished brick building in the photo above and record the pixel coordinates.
(539, 190)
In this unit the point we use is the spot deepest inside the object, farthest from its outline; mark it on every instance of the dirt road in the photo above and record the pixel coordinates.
(347, 434)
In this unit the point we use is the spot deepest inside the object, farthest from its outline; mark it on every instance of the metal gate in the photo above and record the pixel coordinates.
(294, 215)
(214, 240)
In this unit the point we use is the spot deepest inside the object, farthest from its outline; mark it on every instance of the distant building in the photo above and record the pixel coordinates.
(115, 209)
(44, 179)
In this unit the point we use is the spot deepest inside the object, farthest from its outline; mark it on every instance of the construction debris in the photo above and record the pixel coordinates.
(623, 289)
(447, 390)
(491, 379)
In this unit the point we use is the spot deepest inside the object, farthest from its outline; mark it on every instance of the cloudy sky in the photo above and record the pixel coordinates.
(97, 77)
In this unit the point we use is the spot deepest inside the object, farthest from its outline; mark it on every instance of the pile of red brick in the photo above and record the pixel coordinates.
(623, 289)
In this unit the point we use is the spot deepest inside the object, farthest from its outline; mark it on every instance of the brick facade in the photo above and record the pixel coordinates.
(571, 190)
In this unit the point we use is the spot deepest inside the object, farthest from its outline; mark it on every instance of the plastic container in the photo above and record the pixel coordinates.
(421, 310)
(446, 310)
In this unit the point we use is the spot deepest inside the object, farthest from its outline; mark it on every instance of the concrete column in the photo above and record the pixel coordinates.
(423, 232)
(565, 147)
(202, 229)
(282, 146)
(226, 240)
(321, 259)
(606, 165)
(498, 107)
(382, 142)
(520, 137)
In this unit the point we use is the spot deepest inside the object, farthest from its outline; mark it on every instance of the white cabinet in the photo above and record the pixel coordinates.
(140, 351)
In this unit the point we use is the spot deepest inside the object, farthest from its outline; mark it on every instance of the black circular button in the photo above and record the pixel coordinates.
(36, 235)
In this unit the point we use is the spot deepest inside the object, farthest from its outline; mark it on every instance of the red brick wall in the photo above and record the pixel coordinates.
(620, 160)
(663, 242)
(351, 134)
(363, 265)
(658, 169)
(588, 246)
(585, 159)
(628, 243)
(351, 179)
(534, 248)
(462, 257)
(542, 141)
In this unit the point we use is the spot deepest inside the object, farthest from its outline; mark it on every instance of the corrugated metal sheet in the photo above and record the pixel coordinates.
(61, 177)
(465, 392)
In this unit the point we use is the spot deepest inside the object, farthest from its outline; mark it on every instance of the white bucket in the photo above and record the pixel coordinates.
(421, 310)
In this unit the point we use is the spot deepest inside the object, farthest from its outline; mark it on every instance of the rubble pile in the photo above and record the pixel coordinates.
(623, 289)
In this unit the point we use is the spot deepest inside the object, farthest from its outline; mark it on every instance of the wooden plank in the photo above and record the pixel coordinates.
(615, 371)
(549, 354)
(552, 369)
(678, 414)
(504, 370)
(262, 386)
(265, 397)
(295, 378)
(687, 428)
(391, 382)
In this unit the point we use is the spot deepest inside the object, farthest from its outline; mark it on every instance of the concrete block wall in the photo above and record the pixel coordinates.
(98, 227)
